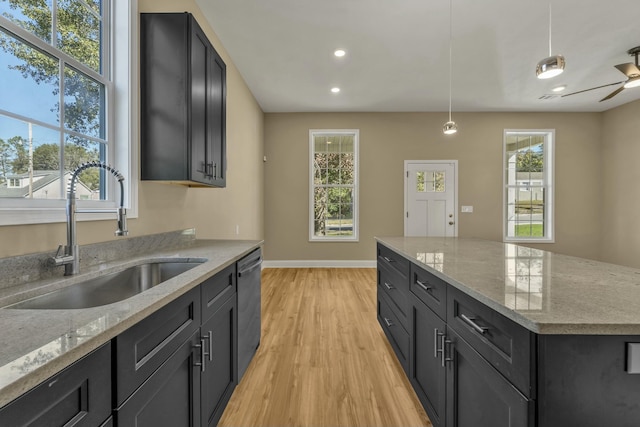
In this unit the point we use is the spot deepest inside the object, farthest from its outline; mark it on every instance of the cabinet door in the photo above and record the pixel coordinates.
(478, 395)
(201, 167)
(427, 373)
(78, 396)
(219, 376)
(216, 115)
(141, 349)
(169, 397)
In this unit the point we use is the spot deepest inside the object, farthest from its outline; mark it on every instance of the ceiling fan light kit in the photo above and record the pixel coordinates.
(632, 82)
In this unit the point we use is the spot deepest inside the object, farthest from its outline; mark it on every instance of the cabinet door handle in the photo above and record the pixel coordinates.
(388, 259)
(445, 345)
(470, 321)
(437, 350)
(388, 286)
(202, 355)
(388, 322)
(424, 286)
(209, 353)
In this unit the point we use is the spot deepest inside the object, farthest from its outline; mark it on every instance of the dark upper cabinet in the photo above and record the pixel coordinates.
(183, 102)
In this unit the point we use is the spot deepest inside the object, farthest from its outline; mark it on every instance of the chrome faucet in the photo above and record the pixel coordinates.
(70, 256)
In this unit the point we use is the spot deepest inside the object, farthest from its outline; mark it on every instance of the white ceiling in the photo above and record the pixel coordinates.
(397, 52)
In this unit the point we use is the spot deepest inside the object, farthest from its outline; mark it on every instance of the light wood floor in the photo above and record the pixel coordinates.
(323, 359)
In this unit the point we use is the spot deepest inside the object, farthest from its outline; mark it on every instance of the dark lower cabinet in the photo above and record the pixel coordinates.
(428, 372)
(79, 396)
(170, 396)
(478, 395)
(219, 370)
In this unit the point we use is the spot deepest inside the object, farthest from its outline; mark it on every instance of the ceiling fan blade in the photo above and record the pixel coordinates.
(612, 94)
(629, 69)
(593, 88)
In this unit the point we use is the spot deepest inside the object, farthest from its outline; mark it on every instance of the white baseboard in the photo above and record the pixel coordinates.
(319, 264)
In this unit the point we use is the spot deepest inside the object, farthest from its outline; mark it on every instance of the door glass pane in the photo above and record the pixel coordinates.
(420, 182)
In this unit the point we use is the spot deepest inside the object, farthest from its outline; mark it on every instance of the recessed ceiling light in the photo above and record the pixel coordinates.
(335, 89)
(559, 88)
(340, 53)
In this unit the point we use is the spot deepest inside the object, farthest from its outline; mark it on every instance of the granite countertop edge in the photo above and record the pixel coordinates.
(219, 254)
(534, 322)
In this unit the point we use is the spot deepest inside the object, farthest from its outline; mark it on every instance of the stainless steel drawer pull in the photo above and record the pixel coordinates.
(388, 322)
(423, 286)
(437, 350)
(470, 321)
(388, 286)
(388, 259)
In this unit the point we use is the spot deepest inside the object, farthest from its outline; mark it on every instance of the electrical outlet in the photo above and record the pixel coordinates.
(237, 229)
(467, 209)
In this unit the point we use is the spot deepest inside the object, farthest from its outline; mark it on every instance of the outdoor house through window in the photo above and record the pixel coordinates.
(58, 106)
(528, 186)
(334, 185)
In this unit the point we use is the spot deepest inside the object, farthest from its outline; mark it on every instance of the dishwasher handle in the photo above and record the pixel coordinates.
(250, 268)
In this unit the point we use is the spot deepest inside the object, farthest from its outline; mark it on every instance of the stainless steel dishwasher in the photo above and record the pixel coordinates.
(249, 269)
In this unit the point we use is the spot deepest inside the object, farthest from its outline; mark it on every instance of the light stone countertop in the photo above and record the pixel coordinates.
(545, 292)
(36, 344)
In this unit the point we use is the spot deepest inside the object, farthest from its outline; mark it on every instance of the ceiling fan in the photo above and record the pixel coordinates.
(629, 69)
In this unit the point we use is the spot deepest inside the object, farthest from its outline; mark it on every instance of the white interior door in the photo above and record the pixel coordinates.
(431, 198)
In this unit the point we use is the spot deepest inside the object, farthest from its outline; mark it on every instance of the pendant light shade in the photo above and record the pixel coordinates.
(552, 65)
(450, 127)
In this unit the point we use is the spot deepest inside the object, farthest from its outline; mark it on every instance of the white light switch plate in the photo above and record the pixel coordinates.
(467, 209)
(633, 358)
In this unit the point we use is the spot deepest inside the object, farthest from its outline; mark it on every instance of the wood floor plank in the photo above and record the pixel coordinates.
(323, 358)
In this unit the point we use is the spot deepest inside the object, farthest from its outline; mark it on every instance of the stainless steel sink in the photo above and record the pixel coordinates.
(109, 288)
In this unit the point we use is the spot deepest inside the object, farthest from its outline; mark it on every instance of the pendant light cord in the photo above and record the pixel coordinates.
(550, 29)
(450, 52)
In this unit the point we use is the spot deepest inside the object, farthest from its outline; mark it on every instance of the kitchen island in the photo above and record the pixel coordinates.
(499, 334)
(38, 344)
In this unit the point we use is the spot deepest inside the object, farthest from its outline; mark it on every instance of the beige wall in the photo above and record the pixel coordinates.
(213, 212)
(621, 185)
(387, 139)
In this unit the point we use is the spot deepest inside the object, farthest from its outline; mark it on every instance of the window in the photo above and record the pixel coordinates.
(528, 186)
(333, 207)
(62, 63)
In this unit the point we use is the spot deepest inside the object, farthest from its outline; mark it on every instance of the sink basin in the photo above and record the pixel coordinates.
(109, 288)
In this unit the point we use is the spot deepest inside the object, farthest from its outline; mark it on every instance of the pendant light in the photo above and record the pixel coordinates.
(553, 65)
(450, 127)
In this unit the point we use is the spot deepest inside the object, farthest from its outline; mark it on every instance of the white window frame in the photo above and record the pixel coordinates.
(122, 131)
(356, 139)
(549, 176)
